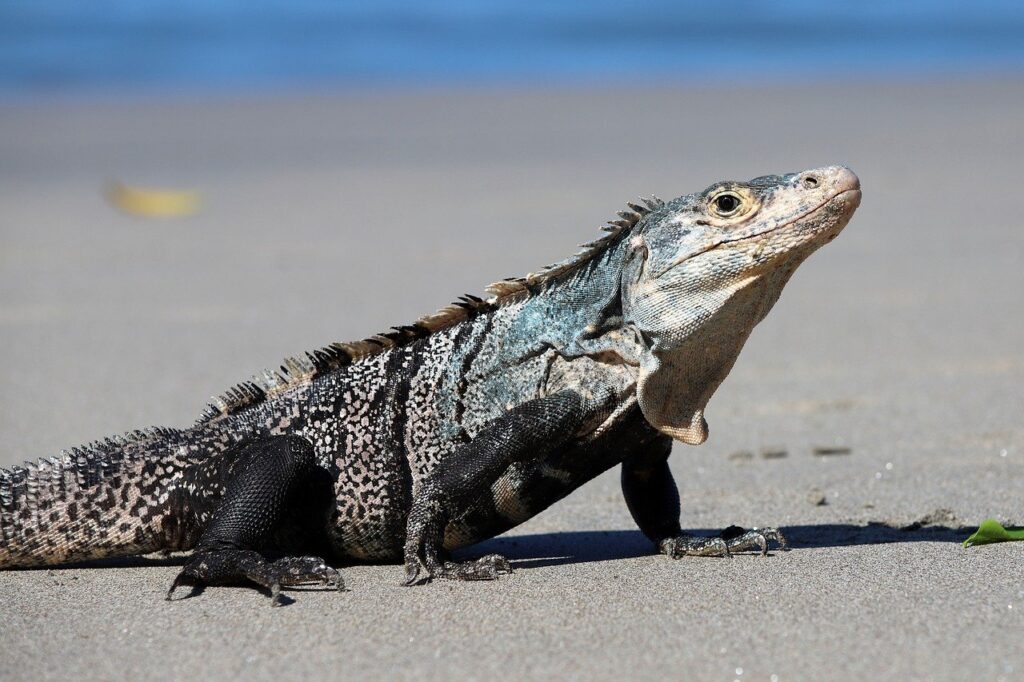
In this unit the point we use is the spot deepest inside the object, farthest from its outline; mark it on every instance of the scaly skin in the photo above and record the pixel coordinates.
(449, 431)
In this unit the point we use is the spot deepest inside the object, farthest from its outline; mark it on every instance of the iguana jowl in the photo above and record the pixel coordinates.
(456, 428)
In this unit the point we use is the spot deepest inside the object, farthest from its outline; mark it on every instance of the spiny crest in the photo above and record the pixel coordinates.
(298, 370)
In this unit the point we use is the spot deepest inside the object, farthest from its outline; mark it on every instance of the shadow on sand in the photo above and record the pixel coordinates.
(572, 547)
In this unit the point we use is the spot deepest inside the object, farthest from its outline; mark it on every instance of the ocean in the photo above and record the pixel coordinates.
(159, 45)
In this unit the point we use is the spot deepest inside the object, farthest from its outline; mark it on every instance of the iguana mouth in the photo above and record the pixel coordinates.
(805, 214)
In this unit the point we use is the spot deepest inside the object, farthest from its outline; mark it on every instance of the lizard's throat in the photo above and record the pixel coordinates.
(678, 377)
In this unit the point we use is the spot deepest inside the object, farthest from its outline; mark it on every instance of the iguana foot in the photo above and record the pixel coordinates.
(242, 565)
(487, 567)
(733, 539)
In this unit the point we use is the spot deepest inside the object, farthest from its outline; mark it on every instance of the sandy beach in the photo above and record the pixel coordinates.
(329, 217)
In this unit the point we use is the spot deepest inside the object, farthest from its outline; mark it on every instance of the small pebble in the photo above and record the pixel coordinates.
(830, 451)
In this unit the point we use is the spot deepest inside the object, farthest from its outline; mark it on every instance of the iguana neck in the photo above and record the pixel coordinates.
(679, 375)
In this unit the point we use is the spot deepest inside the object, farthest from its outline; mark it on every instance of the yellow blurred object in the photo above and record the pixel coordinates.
(153, 203)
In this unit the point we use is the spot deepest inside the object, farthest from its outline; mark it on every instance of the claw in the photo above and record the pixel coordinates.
(412, 575)
(776, 535)
(275, 595)
(184, 579)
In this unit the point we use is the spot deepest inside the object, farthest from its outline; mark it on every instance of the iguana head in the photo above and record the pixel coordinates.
(705, 268)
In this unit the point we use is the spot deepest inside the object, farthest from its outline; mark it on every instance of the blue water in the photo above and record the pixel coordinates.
(95, 45)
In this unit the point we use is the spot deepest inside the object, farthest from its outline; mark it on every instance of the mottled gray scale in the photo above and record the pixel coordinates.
(430, 433)
(450, 401)
(112, 499)
(367, 461)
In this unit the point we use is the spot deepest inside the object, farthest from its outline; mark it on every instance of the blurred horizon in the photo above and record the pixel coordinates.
(61, 46)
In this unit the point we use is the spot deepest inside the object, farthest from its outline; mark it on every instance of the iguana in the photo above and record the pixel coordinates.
(451, 430)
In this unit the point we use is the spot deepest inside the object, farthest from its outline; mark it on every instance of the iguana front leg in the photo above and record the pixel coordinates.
(529, 431)
(270, 503)
(653, 500)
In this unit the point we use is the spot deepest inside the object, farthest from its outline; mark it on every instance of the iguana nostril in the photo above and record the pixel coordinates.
(810, 182)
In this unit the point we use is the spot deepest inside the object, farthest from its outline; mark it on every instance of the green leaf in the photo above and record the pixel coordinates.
(991, 530)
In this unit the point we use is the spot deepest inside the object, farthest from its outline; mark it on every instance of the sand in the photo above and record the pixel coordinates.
(328, 217)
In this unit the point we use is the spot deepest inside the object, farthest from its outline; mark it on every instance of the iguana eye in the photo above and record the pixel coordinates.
(726, 204)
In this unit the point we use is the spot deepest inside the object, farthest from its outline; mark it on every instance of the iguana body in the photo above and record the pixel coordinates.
(460, 426)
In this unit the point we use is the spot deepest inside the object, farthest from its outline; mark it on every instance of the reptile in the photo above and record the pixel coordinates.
(437, 435)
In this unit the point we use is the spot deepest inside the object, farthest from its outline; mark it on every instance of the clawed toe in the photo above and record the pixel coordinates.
(732, 540)
(756, 538)
(487, 567)
(307, 570)
(499, 562)
(183, 579)
(690, 545)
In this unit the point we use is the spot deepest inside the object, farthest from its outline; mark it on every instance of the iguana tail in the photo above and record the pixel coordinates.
(116, 497)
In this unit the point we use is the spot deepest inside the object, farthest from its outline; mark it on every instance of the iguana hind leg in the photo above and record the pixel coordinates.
(274, 502)
(529, 431)
(653, 500)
